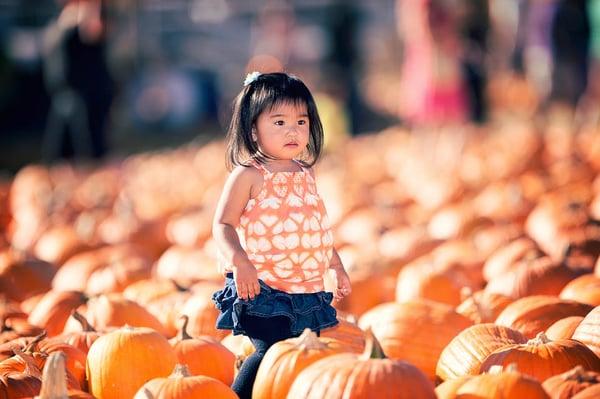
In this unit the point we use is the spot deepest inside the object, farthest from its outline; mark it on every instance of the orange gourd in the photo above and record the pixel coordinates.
(286, 359)
(467, 351)
(181, 385)
(364, 376)
(542, 358)
(204, 355)
(120, 362)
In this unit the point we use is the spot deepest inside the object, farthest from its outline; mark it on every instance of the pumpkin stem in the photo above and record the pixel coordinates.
(180, 371)
(33, 344)
(183, 334)
(85, 324)
(373, 349)
(309, 340)
(30, 367)
(54, 380)
(539, 339)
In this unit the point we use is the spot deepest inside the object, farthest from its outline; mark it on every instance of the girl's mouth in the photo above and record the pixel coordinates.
(292, 145)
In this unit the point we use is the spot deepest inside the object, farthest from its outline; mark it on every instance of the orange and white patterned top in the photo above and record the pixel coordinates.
(286, 232)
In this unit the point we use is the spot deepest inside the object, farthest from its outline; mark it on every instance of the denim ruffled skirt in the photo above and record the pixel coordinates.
(312, 310)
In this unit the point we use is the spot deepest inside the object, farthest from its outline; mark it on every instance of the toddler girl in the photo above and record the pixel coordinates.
(270, 225)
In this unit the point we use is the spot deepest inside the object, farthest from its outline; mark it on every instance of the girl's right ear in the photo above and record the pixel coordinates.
(254, 136)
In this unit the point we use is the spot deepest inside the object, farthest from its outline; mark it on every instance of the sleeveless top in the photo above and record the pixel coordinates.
(286, 232)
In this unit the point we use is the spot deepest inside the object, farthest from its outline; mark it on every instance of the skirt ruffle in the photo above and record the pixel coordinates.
(312, 310)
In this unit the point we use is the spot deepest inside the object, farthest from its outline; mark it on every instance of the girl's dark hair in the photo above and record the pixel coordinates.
(264, 93)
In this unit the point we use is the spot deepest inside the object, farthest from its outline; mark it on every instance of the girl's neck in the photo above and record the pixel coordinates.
(282, 165)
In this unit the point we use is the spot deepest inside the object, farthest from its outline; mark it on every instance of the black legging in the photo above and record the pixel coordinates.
(263, 332)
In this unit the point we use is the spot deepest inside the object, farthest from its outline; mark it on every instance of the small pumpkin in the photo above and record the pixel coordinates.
(567, 384)
(563, 328)
(181, 385)
(500, 384)
(204, 355)
(53, 310)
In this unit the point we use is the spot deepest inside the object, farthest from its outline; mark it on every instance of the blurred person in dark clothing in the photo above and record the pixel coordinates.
(78, 81)
(570, 38)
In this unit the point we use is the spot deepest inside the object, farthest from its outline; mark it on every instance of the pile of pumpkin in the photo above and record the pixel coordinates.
(474, 256)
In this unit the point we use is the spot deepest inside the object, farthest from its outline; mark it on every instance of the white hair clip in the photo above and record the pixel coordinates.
(251, 77)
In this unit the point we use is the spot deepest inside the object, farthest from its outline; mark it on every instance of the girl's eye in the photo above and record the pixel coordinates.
(279, 123)
(302, 122)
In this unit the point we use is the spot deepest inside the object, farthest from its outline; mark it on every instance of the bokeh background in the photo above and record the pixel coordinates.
(155, 73)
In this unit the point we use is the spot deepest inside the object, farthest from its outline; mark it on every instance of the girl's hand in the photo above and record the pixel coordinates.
(246, 281)
(343, 286)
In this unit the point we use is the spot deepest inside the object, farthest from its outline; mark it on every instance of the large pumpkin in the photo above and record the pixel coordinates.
(181, 385)
(120, 362)
(465, 353)
(542, 358)
(534, 314)
(286, 359)
(588, 331)
(416, 332)
(365, 376)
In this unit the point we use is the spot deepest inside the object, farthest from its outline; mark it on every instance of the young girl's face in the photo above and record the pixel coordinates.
(283, 131)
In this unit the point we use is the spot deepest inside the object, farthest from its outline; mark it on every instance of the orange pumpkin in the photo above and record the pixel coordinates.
(368, 375)
(416, 332)
(563, 328)
(181, 385)
(534, 314)
(348, 334)
(22, 277)
(570, 382)
(467, 351)
(504, 258)
(482, 306)
(588, 331)
(286, 359)
(499, 384)
(542, 358)
(120, 362)
(204, 355)
(53, 310)
(113, 310)
(82, 340)
(540, 276)
(584, 289)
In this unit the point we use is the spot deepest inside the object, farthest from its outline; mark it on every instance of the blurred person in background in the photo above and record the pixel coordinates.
(432, 84)
(78, 81)
(570, 38)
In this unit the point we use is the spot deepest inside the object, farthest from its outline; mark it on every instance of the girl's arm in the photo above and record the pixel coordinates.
(343, 286)
(233, 200)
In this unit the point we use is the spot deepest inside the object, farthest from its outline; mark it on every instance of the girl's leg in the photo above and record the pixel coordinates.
(263, 333)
